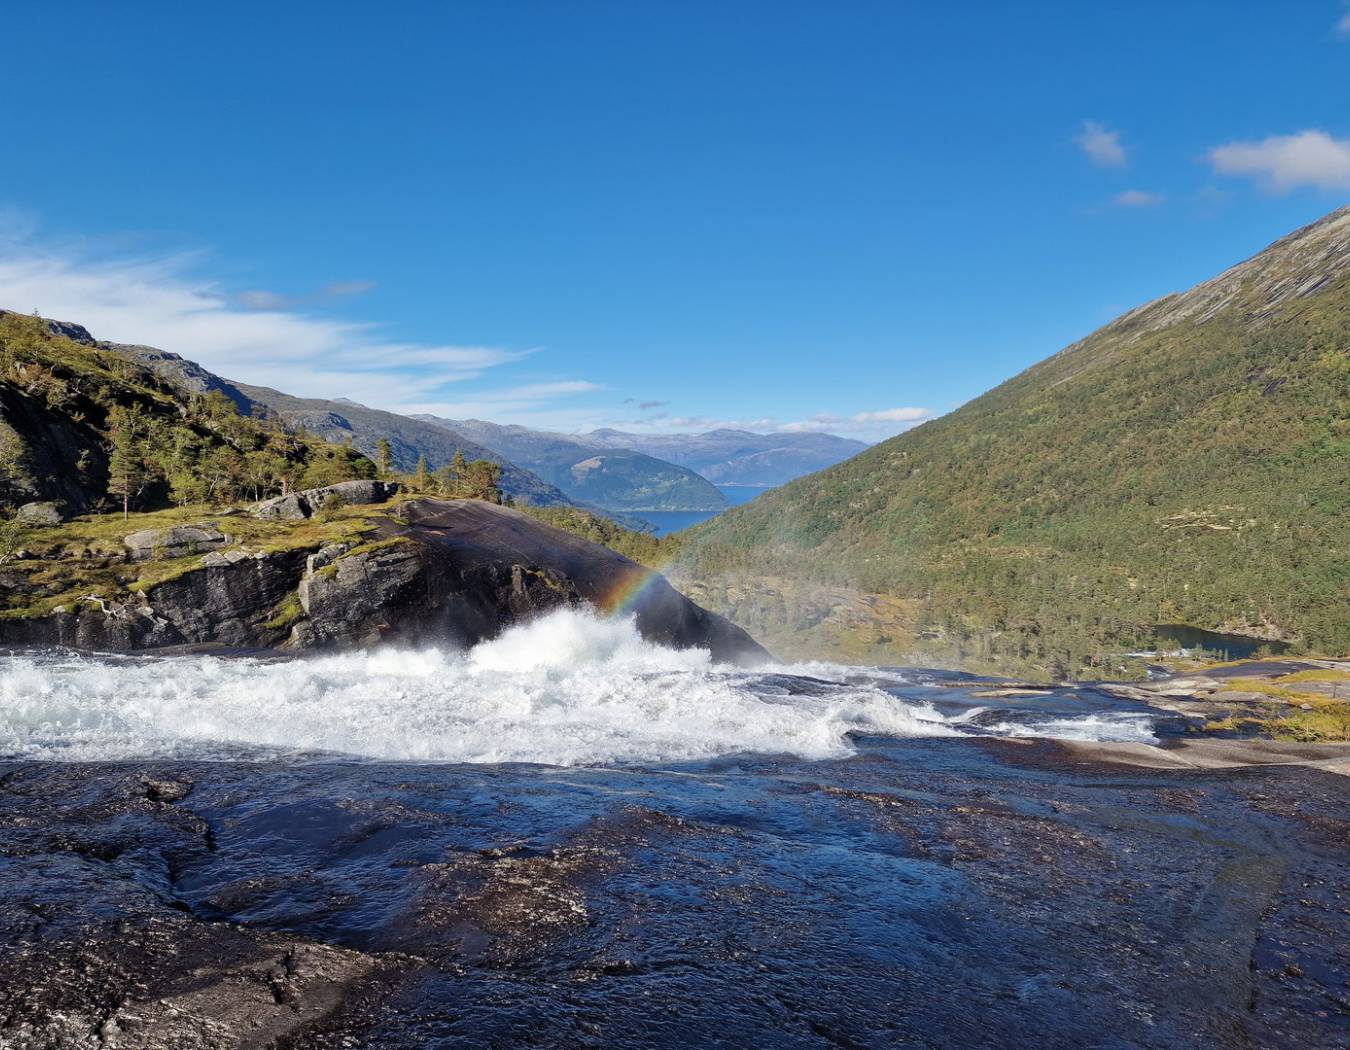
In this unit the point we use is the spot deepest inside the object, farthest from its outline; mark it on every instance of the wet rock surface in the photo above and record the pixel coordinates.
(927, 893)
(462, 570)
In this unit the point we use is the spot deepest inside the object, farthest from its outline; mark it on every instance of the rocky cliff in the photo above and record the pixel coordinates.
(433, 572)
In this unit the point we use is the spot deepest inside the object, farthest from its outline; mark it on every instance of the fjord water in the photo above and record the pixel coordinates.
(664, 522)
(567, 689)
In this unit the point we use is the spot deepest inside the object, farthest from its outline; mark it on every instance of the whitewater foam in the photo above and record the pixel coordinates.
(567, 689)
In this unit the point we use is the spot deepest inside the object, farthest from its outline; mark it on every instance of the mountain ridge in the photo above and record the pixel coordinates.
(1185, 463)
(617, 479)
(738, 457)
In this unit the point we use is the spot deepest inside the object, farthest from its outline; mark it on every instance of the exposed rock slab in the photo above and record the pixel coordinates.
(175, 541)
(461, 570)
(305, 504)
(455, 572)
(927, 893)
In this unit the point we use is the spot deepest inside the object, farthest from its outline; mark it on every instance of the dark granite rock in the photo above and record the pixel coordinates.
(462, 570)
(456, 572)
(229, 602)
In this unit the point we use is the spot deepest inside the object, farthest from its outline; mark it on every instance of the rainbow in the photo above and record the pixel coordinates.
(624, 595)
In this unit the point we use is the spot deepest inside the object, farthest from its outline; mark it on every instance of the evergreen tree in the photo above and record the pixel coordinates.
(383, 456)
(126, 466)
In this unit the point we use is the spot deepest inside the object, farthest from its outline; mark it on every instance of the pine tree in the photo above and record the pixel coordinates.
(383, 456)
(125, 456)
(422, 480)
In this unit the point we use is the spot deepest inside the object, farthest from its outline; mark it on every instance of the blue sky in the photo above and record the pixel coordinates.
(663, 216)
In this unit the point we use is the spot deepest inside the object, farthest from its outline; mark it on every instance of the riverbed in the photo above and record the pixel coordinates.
(472, 853)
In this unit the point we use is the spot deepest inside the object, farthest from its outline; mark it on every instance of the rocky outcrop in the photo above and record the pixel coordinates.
(175, 541)
(461, 570)
(299, 505)
(452, 572)
(48, 454)
(231, 600)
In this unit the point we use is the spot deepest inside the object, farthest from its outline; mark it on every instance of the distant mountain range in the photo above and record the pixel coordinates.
(620, 474)
(737, 457)
(1189, 463)
(409, 439)
(609, 477)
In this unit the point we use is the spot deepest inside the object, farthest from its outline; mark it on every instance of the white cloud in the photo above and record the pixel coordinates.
(875, 425)
(1343, 23)
(1101, 145)
(1285, 162)
(516, 404)
(1137, 199)
(162, 301)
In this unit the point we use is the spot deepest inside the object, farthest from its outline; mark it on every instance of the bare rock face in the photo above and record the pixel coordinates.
(175, 542)
(460, 571)
(453, 572)
(300, 505)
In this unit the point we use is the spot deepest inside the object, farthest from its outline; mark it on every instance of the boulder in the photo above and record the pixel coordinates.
(39, 514)
(175, 541)
(305, 504)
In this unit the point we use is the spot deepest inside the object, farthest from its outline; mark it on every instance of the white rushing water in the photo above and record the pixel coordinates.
(567, 689)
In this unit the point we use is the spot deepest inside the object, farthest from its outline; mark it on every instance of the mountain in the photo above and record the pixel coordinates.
(85, 427)
(613, 478)
(341, 420)
(737, 457)
(1189, 463)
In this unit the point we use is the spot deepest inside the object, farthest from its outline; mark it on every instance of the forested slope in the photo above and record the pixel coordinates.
(1188, 463)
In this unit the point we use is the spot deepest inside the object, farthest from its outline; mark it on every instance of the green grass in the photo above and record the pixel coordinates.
(86, 555)
(287, 612)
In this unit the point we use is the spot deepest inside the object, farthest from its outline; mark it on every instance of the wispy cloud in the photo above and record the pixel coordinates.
(882, 423)
(162, 300)
(1101, 145)
(1343, 23)
(1137, 199)
(869, 426)
(529, 404)
(647, 406)
(259, 299)
(1282, 163)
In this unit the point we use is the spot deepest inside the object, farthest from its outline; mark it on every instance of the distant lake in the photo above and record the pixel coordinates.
(1229, 646)
(668, 521)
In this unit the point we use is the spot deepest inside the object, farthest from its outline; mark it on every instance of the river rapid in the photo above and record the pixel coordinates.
(568, 689)
(568, 837)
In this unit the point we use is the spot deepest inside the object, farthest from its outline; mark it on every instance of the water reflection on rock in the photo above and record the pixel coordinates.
(927, 892)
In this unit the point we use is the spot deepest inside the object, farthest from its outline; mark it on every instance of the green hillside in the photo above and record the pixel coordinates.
(86, 428)
(1187, 464)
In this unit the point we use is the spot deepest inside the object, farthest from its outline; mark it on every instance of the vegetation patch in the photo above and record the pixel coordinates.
(287, 612)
